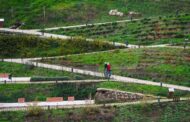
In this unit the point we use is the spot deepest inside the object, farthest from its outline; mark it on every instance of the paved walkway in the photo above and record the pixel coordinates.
(18, 106)
(53, 82)
(97, 74)
(74, 104)
(70, 69)
(54, 57)
(15, 79)
(89, 53)
(48, 35)
(84, 25)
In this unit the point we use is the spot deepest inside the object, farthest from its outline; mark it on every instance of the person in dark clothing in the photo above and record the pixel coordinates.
(126, 43)
(108, 70)
(105, 69)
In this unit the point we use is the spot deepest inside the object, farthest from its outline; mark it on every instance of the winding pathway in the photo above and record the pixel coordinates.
(97, 74)
(73, 104)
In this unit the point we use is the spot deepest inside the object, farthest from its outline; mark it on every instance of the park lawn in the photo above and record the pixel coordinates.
(167, 65)
(21, 70)
(163, 112)
(70, 12)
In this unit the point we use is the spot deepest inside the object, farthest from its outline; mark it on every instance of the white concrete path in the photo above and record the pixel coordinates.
(71, 105)
(84, 25)
(48, 35)
(46, 104)
(15, 79)
(97, 74)
(24, 60)
(45, 35)
(53, 82)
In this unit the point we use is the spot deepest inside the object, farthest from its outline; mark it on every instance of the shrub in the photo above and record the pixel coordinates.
(29, 66)
(78, 77)
(33, 46)
(49, 78)
(179, 36)
(34, 111)
(116, 51)
(91, 111)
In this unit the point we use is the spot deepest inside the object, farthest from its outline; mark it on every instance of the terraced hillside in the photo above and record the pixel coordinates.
(168, 65)
(170, 29)
(70, 12)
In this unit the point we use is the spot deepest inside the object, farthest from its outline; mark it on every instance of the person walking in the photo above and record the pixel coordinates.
(126, 43)
(108, 70)
(105, 69)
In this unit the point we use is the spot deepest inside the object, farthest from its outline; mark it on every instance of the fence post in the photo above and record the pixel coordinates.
(184, 45)
(161, 84)
(158, 99)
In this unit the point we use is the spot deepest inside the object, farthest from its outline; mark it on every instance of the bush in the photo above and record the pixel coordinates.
(29, 66)
(50, 78)
(34, 111)
(78, 77)
(91, 111)
(32, 46)
(179, 36)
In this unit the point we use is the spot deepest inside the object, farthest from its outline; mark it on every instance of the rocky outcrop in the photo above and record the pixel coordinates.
(115, 12)
(134, 14)
(108, 95)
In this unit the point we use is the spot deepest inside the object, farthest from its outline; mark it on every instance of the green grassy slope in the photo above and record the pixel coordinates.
(146, 31)
(20, 70)
(11, 92)
(168, 65)
(140, 88)
(33, 46)
(62, 12)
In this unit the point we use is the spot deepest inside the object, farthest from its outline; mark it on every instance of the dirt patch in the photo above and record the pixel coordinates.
(65, 62)
(105, 114)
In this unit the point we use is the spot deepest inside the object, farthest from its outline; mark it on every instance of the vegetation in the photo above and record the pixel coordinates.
(160, 30)
(81, 91)
(39, 92)
(59, 13)
(159, 22)
(23, 46)
(167, 65)
(20, 70)
(170, 112)
(144, 89)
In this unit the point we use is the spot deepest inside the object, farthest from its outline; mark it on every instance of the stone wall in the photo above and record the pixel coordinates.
(108, 95)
